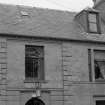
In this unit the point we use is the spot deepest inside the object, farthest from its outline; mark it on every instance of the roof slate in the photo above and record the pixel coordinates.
(39, 22)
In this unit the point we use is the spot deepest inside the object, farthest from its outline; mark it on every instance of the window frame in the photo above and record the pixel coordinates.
(97, 22)
(41, 75)
(91, 65)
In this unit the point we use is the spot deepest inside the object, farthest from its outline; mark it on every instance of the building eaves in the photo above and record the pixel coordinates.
(15, 36)
(23, 21)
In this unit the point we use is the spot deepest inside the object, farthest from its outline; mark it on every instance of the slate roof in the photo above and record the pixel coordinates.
(39, 22)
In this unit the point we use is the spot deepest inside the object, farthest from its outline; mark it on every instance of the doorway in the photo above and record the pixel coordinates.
(35, 101)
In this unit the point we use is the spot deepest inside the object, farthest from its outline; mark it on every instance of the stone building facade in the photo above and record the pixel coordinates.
(65, 52)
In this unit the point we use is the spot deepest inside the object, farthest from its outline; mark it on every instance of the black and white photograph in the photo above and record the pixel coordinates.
(52, 52)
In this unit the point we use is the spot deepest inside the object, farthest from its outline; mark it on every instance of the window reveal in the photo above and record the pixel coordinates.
(99, 69)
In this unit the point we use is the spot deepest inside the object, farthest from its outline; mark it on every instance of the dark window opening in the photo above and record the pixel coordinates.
(99, 64)
(98, 72)
(34, 62)
(100, 102)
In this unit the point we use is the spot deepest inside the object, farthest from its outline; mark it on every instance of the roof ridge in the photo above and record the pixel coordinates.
(32, 7)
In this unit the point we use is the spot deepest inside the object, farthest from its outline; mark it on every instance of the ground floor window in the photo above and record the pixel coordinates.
(100, 102)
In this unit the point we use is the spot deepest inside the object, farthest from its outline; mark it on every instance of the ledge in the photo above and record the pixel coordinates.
(86, 82)
(100, 80)
(35, 81)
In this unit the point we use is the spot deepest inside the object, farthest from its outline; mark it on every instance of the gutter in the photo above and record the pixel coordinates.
(51, 38)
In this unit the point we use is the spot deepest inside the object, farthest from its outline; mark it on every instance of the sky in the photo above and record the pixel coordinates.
(69, 5)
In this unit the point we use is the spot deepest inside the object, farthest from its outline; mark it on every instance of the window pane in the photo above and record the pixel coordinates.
(35, 68)
(34, 51)
(42, 68)
(99, 54)
(92, 17)
(93, 22)
(28, 67)
(99, 64)
(93, 27)
(102, 68)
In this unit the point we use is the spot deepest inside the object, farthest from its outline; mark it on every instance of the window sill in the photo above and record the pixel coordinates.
(35, 80)
(100, 80)
(94, 32)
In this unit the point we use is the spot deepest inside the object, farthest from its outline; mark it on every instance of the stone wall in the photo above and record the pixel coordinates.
(78, 89)
(3, 70)
(66, 73)
(51, 88)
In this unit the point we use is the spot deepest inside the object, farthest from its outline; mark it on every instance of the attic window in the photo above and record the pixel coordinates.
(93, 22)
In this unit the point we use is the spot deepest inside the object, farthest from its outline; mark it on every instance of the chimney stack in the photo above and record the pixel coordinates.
(96, 1)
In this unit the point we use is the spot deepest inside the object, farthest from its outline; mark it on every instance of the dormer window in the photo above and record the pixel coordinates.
(93, 22)
(89, 19)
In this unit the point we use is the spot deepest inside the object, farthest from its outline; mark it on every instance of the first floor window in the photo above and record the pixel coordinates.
(99, 69)
(97, 64)
(34, 62)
